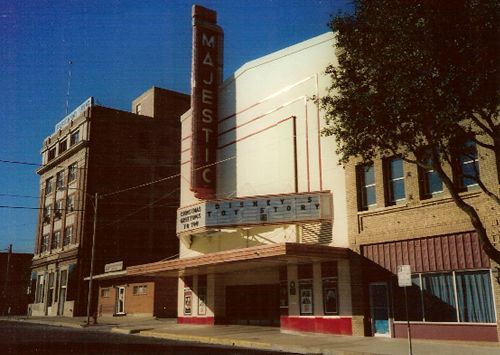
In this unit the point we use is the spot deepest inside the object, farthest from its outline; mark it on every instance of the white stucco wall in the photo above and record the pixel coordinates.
(256, 141)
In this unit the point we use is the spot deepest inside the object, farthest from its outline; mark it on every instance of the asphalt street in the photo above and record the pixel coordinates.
(26, 338)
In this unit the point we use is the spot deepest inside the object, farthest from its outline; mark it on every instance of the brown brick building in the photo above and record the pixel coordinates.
(14, 283)
(402, 215)
(128, 160)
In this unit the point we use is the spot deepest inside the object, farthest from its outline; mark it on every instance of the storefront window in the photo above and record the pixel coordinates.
(475, 300)
(432, 298)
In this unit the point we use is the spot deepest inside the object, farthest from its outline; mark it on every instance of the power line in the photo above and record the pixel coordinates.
(20, 196)
(19, 162)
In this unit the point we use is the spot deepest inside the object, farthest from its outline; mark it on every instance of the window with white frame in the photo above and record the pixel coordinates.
(51, 154)
(72, 172)
(58, 209)
(47, 212)
(140, 289)
(469, 165)
(458, 297)
(60, 180)
(395, 180)
(56, 238)
(74, 138)
(105, 292)
(68, 235)
(63, 146)
(44, 243)
(366, 186)
(70, 203)
(48, 185)
(430, 182)
(40, 289)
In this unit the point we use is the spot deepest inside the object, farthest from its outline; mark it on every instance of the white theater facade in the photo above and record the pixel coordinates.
(262, 223)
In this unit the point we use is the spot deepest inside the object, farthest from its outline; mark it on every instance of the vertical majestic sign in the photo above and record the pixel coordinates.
(206, 78)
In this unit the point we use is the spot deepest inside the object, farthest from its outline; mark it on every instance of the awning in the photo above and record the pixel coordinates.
(269, 255)
(107, 275)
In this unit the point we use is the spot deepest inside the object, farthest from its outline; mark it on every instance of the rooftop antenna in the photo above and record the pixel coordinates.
(69, 86)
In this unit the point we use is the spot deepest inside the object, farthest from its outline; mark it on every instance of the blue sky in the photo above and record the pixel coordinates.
(118, 49)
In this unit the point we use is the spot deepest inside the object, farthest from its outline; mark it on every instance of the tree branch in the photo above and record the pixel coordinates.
(486, 129)
(488, 247)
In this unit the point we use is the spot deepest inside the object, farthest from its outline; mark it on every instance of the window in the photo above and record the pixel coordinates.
(70, 203)
(51, 154)
(56, 238)
(63, 286)
(64, 278)
(58, 210)
(74, 138)
(48, 185)
(60, 180)
(469, 165)
(140, 290)
(395, 180)
(50, 290)
(460, 296)
(68, 235)
(72, 171)
(366, 186)
(44, 243)
(439, 298)
(40, 287)
(105, 292)
(138, 109)
(431, 183)
(47, 211)
(63, 145)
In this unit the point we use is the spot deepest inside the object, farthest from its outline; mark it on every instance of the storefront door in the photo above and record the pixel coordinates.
(120, 300)
(379, 306)
(253, 305)
(62, 298)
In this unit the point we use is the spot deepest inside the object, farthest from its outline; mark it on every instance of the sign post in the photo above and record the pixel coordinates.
(404, 280)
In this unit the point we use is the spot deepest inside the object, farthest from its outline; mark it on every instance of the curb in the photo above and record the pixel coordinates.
(249, 344)
(130, 331)
(55, 324)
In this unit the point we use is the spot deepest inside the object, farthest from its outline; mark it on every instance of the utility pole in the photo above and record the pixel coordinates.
(89, 296)
(6, 282)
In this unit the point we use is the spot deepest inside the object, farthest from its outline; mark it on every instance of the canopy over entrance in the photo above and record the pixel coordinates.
(262, 256)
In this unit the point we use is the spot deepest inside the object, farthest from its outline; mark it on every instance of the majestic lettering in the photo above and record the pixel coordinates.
(207, 74)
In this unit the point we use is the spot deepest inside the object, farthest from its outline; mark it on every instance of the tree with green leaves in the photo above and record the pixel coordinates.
(419, 79)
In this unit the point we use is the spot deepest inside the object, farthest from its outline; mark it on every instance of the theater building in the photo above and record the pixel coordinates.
(262, 222)
(402, 215)
(92, 184)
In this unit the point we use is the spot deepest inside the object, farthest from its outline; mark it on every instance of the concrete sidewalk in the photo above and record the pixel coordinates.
(269, 338)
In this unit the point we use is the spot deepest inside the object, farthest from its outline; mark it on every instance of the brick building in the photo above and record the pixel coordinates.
(402, 215)
(111, 154)
(14, 283)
